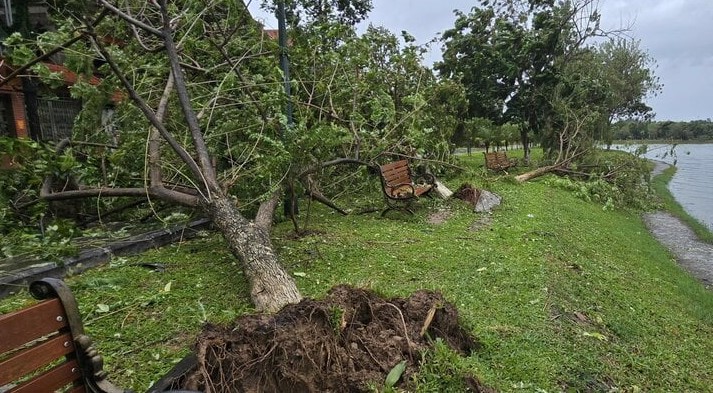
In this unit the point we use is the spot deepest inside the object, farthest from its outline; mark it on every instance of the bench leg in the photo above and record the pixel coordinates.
(404, 205)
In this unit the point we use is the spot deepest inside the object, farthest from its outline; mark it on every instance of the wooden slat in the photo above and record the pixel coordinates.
(21, 327)
(34, 358)
(395, 164)
(395, 173)
(54, 379)
(422, 190)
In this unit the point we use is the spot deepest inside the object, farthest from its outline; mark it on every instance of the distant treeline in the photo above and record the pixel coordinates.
(694, 131)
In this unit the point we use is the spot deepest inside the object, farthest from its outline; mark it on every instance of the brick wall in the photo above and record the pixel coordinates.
(18, 113)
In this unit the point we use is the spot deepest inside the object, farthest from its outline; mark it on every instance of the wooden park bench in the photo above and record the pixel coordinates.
(43, 349)
(400, 190)
(498, 161)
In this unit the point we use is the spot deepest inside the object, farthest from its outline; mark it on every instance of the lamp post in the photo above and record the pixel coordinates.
(290, 202)
(284, 59)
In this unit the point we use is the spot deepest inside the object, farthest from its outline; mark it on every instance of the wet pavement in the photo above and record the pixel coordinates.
(692, 254)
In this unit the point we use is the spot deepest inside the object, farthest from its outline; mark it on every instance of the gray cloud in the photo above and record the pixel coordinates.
(678, 34)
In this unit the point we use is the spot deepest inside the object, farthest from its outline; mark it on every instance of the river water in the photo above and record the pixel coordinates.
(692, 185)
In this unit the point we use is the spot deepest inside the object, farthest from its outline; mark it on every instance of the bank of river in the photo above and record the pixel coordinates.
(692, 184)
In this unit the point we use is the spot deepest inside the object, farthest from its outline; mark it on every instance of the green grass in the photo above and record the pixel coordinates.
(565, 296)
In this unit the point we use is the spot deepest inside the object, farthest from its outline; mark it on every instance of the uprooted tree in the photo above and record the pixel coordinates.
(179, 67)
(199, 112)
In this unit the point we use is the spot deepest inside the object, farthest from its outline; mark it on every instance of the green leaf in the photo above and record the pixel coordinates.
(596, 335)
(102, 308)
(395, 374)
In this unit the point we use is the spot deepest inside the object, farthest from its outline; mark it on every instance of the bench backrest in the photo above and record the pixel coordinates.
(497, 160)
(37, 346)
(43, 349)
(395, 173)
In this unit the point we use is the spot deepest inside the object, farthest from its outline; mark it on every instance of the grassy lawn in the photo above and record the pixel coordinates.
(564, 295)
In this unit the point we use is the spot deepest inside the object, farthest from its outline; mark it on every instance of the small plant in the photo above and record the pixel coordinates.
(336, 319)
(441, 370)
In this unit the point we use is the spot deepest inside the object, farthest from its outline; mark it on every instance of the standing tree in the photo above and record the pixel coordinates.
(533, 63)
(629, 79)
(509, 55)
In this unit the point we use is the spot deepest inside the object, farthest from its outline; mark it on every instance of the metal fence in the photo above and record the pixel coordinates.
(57, 117)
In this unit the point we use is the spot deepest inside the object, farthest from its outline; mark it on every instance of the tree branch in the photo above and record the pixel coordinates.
(338, 161)
(148, 112)
(47, 55)
(131, 20)
(154, 154)
(157, 192)
(207, 172)
(266, 212)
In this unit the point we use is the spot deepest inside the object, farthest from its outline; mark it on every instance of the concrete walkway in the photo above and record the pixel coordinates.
(691, 253)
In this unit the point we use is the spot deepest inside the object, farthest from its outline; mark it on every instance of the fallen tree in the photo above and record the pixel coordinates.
(163, 28)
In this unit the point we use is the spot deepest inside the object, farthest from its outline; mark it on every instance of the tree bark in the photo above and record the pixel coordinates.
(537, 173)
(271, 287)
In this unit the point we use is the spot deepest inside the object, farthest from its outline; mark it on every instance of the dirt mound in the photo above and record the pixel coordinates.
(343, 343)
(481, 200)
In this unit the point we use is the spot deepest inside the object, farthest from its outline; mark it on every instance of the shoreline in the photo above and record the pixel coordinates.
(693, 255)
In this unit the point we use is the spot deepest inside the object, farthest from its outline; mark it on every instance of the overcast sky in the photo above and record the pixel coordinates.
(678, 34)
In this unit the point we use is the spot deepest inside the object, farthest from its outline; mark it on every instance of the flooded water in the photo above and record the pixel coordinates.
(692, 185)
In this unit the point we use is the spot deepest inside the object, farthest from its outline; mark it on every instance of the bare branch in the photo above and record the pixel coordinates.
(266, 211)
(338, 161)
(157, 192)
(154, 154)
(131, 20)
(206, 172)
(148, 112)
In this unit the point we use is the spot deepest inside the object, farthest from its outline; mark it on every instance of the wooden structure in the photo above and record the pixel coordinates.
(43, 348)
(498, 161)
(400, 190)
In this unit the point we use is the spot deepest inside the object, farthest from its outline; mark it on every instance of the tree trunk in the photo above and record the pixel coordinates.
(442, 191)
(537, 173)
(271, 287)
(525, 140)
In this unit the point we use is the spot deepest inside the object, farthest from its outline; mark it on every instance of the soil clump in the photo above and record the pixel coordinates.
(347, 342)
(481, 200)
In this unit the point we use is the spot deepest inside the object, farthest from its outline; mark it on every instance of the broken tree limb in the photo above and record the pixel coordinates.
(538, 172)
(314, 193)
(442, 191)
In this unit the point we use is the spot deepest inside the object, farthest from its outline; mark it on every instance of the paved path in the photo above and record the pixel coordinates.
(691, 253)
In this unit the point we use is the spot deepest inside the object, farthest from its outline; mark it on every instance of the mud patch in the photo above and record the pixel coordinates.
(481, 223)
(439, 217)
(345, 343)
